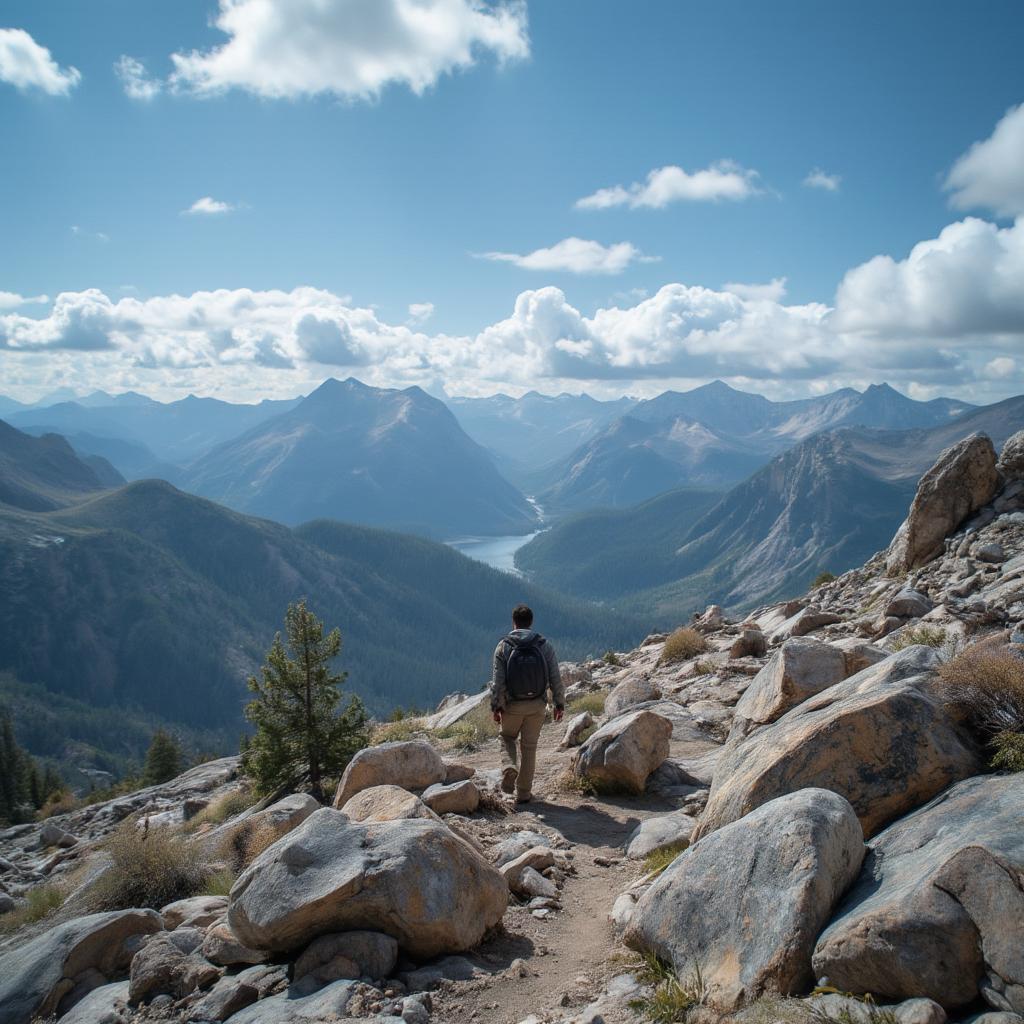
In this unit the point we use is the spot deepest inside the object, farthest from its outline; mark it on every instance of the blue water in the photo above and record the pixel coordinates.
(498, 552)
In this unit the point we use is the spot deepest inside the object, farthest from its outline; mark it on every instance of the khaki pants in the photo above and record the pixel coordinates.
(522, 721)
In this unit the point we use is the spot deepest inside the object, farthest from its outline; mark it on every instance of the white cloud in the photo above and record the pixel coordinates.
(576, 256)
(27, 65)
(999, 368)
(12, 300)
(722, 180)
(773, 291)
(990, 175)
(818, 178)
(134, 80)
(420, 312)
(349, 48)
(209, 206)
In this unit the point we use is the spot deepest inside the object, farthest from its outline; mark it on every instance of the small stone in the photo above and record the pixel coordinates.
(606, 862)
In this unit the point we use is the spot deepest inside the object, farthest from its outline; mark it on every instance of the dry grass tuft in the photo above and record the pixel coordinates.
(929, 636)
(658, 860)
(987, 685)
(592, 702)
(227, 805)
(682, 644)
(39, 903)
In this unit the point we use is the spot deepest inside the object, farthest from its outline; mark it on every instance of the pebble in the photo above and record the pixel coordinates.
(606, 862)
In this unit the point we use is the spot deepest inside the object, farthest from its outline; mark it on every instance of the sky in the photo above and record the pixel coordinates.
(242, 197)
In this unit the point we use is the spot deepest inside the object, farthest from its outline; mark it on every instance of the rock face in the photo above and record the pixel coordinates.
(937, 910)
(881, 738)
(35, 977)
(748, 903)
(630, 692)
(412, 764)
(386, 803)
(799, 669)
(411, 879)
(623, 752)
(962, 480)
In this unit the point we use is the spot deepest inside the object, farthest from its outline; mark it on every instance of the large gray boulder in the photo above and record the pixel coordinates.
(386, 803)
(411, 879)
(635, 689)
(36, 976)
(107, 1004)
(411, 764)
(624, 752)
(170, 963)
(882, 738)
(800, 668)
(747, 903)
(659, 833)
(294, 1006)
(348, 955)
(963, 479)
(937, 910)
(1011, 458)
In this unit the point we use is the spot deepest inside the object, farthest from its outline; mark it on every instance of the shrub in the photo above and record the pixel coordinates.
(682, 644)
(40, 902)
(149, 867)
(929, 636)
(396, 731)
(227, 805)
(658, 860)
(1008, 753)
(247, 842)
(703, 667)
(592, 702)
(672, 999)
(219, 883)
(61, 802)
(987, 686)
(611, 658)
(821, 579)
(470, 732)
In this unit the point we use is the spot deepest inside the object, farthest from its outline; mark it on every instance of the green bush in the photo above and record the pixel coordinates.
(40, 902)
(929, 636)
(1008, 753)
(822, 578)
(592, 702)
(611, 658)
(226, 806)
(672, 999)
(658, 860)
(682, 644)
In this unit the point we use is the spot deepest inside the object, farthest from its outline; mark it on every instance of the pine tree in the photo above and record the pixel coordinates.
(53, 784)
(16, 771)
(163, 759)
(300, 733)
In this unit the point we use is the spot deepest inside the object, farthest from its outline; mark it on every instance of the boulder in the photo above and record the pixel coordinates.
(575, 728)
(516, 845)
(624, 751)
(1011, 458)
(386, 803)
(228, 996)
(455, 771)
(531, 883)
(104, 1005)
(937, 910)
(411, 879)
(631, 691)
(195, 912)
(882, 738)
(748, 903)
(458, 798)
(330, 957)
(909, 604)
(838, 1007)
(170, 963)
(963, 479)
(659, 833)
(7, 903)
(749, 644)
(808, 620)
(51, 834)
(411, 764)
(221, 946)
(35, 976)
(296, 1007)
(860, 654)
(800, 668)
(538, 858)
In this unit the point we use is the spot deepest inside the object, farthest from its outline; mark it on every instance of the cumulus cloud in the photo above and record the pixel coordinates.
(420, 312)
(722, 180)
(773, 291)
(208, 206)
(990, 175)
(351, 49)
(576, 256)
(134, 80)
(817, 178)
(27, 65)
(12, 300)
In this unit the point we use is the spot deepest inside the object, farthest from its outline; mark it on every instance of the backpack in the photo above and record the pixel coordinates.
(526, 673)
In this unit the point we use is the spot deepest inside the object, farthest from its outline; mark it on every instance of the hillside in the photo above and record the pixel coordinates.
(160, 603)
(377, 456)
(716, 436)
(41, 473)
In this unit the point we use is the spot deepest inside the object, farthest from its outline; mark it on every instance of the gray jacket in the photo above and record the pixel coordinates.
(499, 695)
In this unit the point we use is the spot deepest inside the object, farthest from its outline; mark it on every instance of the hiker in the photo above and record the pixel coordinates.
(525, 669)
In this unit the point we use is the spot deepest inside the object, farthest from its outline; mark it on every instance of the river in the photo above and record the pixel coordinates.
(498, 552)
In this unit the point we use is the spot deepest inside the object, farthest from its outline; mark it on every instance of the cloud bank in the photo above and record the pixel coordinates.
(990, 175)
(27, 65)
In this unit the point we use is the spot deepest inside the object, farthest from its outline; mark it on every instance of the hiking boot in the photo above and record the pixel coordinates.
(508, 780)
(524, 798)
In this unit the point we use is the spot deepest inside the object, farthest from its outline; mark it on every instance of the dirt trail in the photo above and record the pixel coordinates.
(570, 954)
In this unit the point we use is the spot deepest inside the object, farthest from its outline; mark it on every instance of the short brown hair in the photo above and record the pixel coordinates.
(522, 616)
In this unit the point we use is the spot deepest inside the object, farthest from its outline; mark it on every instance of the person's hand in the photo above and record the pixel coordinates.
(496, 715)
(559, 712)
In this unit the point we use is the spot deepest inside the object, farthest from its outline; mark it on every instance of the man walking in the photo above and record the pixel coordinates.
(525, 671)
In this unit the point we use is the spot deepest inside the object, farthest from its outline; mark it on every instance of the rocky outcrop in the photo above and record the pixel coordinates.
(36, 977)
(937, 910)
(386, 803)
(635, 689)
(881, 738)
(411, 764)
(624, 752)
(195, 912)
(747, 903)
(962, 480)
(411, 879)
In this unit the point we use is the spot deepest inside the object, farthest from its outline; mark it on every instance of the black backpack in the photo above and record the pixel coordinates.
(526, 673)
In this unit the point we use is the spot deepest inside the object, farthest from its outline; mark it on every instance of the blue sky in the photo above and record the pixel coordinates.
(356, 164)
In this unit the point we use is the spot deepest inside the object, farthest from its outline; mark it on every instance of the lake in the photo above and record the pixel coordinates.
(498, 552)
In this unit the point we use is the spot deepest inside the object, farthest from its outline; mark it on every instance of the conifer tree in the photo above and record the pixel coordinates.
(163, 759)
(300, 732)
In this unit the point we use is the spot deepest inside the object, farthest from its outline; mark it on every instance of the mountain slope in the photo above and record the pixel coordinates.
(40, 473)
(367, 455)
